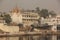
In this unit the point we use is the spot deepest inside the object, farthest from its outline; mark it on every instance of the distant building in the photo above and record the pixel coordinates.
(58, 19)
(51, 20)
(29, 17)
(24, 17)
(16, 16)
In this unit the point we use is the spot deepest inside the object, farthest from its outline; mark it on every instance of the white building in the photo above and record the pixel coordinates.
(29, 17)
(16, 16)
(25, 17)
(51, 21)
(54, 22)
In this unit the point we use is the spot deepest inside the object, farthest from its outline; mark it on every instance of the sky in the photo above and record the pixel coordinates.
(6, 5)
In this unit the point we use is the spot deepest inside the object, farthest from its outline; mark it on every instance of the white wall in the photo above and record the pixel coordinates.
(10, 29)
(16, 17)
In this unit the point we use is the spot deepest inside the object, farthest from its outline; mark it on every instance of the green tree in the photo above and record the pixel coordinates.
(44, 13)
(52, 13)
(20, 26)
(38, 10)
(7, 18)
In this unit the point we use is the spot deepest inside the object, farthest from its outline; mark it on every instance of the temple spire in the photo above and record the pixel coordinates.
(16, 9)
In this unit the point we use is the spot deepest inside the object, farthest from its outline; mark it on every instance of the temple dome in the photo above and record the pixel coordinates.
(16, 10)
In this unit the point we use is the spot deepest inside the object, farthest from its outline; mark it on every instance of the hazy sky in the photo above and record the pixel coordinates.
(6, 5)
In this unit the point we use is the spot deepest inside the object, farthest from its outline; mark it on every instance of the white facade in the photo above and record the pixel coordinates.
(25, 17)
(16, 18)
(10, 29)
(29, 17)
(58, 19)
(50, 21)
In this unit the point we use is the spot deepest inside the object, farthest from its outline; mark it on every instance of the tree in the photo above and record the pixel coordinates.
(52, 13)
(38, 10)
(44, 13)
(20, 25)
(7, 18)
